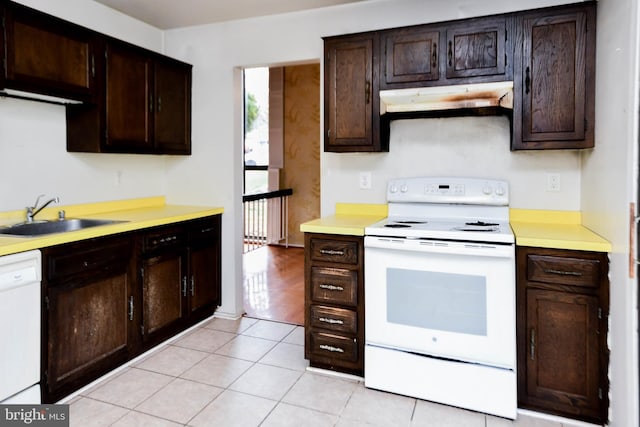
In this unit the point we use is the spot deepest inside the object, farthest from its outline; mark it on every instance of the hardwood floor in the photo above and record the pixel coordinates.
(273, 279)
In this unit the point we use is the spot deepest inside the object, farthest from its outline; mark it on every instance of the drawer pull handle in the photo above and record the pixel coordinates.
(331, 348)
(329, 287)
(184, 286)
(207, 230)
(331, 321)
(562, 273)
(332, 252)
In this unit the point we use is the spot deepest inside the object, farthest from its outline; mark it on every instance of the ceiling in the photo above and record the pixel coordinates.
(167, 14)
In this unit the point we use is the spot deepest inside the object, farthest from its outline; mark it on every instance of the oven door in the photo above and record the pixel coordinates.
(454, 300)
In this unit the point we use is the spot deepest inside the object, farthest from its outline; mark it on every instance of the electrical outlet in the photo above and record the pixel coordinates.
(553, 182)
(365, 180)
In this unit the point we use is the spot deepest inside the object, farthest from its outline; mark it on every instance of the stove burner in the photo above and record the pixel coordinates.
(396, 225)
(481, 223)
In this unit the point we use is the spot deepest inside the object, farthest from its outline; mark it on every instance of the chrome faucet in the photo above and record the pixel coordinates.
(32, 211)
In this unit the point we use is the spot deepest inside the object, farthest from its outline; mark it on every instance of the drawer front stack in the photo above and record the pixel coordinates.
(334, 302)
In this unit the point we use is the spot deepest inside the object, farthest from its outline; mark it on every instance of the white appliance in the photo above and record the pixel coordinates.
(440, 294)
(20, 276)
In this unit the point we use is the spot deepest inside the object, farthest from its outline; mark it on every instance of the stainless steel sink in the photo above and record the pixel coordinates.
(50, 227)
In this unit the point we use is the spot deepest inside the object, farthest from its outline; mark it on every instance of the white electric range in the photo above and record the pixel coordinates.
(440, 294)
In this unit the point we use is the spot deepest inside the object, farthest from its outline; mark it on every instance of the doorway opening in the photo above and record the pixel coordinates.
(281, 172)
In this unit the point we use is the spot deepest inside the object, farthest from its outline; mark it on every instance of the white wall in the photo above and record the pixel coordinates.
(462, 146)
(33, 157)
(609, 186)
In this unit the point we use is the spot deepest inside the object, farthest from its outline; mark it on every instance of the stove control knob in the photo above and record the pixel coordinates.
(487, 189)
(393, 189)
(404, 188)
(500, 191)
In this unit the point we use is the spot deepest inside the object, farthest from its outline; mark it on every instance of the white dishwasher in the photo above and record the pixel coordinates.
(20, 276)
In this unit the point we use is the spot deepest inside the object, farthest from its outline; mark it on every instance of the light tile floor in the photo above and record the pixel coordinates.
(251, 372)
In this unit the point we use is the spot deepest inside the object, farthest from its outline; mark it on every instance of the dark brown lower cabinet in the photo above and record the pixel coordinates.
(180, 277)
(88, 312)
(163, 269)
(562, 332)
(108, 299)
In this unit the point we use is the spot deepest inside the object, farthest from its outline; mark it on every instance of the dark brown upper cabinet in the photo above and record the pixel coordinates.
(554, 79)
(145, 106)
(473, 50)
(172, 113)
(351, 100)
(410, 55)
(477, 48)
(46, 55)
(128, 99)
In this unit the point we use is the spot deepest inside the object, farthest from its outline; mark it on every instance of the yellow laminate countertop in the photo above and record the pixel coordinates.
(350, 219)
(554, 229)
(138, 214)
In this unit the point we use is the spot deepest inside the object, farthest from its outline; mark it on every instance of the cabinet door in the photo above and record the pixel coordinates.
(204, 292)
(172, 119)
(47, 55)
(410, 56)
(128, 101)
(164, 286)
(88, 328)
(563, 361)
(351, 95)
(204, 267)
(554, 84)
(476, 49)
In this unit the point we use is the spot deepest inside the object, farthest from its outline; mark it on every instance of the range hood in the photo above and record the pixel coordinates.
(440, 98)
(32, 96)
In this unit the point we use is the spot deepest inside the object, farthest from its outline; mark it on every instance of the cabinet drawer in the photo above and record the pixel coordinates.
(90, 256)
(206, 229)
(335, 285)
(344, 252)
(336, 319)
(563, 270)
(163, 238)
(334, 346)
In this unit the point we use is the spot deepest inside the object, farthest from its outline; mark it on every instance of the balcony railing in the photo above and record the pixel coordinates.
(266, 218)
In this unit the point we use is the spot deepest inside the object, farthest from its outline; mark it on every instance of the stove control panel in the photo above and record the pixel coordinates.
(449, 190)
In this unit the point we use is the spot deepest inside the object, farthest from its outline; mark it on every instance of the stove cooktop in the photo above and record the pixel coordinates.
(456, 229)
